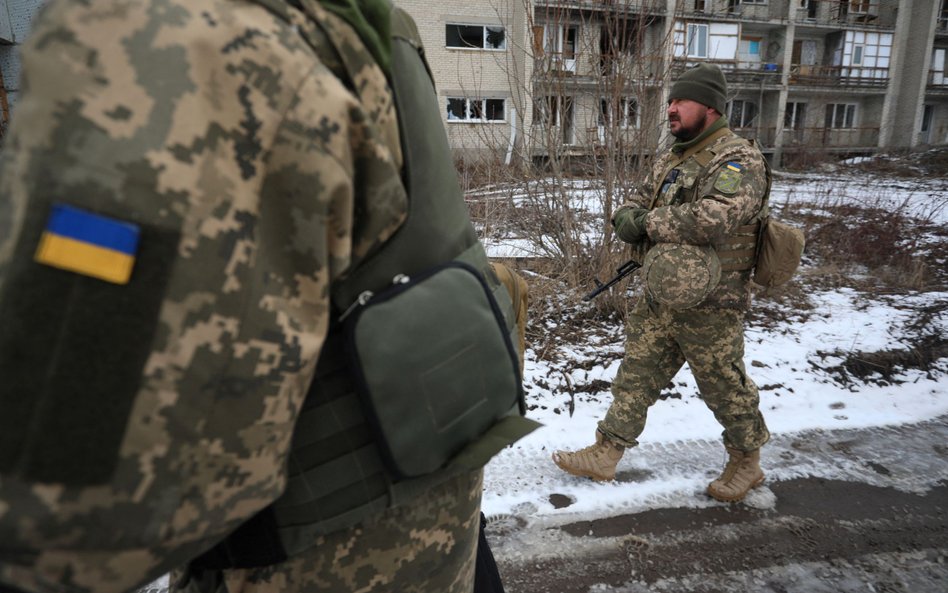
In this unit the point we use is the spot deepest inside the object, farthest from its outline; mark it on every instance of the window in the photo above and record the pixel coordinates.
(742, 113)
(860, 6)
(476, 110)
(840, 115)
(553, 110)
(794, 117)
(937, 76)
(699, 5)
(627, 109)
(475, 37)
(697, 41)
(858, 52)
(750, 46)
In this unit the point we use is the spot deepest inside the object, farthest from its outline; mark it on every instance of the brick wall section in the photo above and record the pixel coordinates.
(475, 73)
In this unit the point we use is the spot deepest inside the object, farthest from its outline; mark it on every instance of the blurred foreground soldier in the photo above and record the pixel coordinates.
(248, 329)
(696, 218)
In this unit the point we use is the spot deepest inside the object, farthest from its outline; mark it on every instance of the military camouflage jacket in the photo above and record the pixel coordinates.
(704, 199)
(252, 179)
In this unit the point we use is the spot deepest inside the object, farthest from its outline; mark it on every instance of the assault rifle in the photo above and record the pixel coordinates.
(623, 271)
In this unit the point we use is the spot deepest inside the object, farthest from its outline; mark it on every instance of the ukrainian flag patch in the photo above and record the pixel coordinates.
(89, 244)
(729, 177)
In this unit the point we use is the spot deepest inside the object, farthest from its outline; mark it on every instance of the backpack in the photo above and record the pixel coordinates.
(779, 247)
(779, 250)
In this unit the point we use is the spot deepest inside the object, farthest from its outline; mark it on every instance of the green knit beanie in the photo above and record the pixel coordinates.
(705, 84)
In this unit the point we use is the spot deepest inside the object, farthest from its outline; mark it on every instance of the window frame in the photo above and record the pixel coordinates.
(796, 114)
(470, 109)
(849, 113)
(605, 113)
(484, 36)
(744, 104)
(688, 39)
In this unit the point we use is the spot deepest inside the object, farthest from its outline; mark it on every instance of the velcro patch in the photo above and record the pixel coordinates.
(729, 178)
(89, 244)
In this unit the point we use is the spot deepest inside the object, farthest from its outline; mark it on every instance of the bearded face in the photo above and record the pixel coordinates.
(687, 118)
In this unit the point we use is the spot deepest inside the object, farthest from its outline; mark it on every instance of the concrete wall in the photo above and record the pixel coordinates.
(16, 16)
(477, 73)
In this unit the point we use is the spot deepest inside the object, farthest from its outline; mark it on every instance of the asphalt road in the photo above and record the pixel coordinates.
(880, 524)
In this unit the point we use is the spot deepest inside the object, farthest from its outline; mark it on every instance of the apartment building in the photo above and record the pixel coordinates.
(528, 78)
(805, 76)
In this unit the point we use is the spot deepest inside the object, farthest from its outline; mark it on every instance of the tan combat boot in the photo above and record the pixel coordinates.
(595, 461)
(741, 474)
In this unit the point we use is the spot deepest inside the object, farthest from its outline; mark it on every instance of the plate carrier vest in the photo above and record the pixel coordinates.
(336, 474)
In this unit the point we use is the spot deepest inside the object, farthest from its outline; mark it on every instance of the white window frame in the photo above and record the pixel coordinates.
(690, 37)
(859, 52)
(485, 30)
(861, 6)
(938, 66)
(471, 108)
(625, 105)
(848, 112)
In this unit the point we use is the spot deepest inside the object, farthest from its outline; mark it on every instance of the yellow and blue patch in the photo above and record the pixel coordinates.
(729, 177)
(89, 244)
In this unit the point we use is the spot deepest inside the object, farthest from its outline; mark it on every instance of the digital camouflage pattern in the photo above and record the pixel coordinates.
(417, 548)
(692, 211)
(680, 276)
(659, 340)
(213, 122)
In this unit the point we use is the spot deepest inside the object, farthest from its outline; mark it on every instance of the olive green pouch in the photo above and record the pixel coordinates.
(434, 365)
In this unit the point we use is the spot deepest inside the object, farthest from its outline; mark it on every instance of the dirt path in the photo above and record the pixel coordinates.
(819, 535)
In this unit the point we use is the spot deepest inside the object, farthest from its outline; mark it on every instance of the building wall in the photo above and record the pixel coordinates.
(477, 74)
(15, 19)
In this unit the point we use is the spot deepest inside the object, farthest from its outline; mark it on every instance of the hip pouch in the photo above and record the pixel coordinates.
(434, 365)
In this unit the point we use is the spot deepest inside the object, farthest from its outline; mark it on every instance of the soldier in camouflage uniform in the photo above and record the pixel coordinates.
(697, 216)
(212, 175)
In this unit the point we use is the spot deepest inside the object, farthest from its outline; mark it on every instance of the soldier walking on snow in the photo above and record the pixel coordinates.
(697, 218)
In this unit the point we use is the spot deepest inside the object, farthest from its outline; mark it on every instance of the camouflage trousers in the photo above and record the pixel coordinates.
(659, 341)
(425, 546)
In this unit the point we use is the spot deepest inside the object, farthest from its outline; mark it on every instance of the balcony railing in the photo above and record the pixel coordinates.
(610, 6)
(834, 138)
(735, 72)
(851, 76)
(835, 12)
(724, 9)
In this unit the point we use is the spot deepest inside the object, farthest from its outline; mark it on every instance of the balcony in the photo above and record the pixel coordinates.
(937, 83)
(941, 27)
(863, 13)
(831, 138)
(610, 6)
(732, 9)
(737, 73)
(847, 76)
